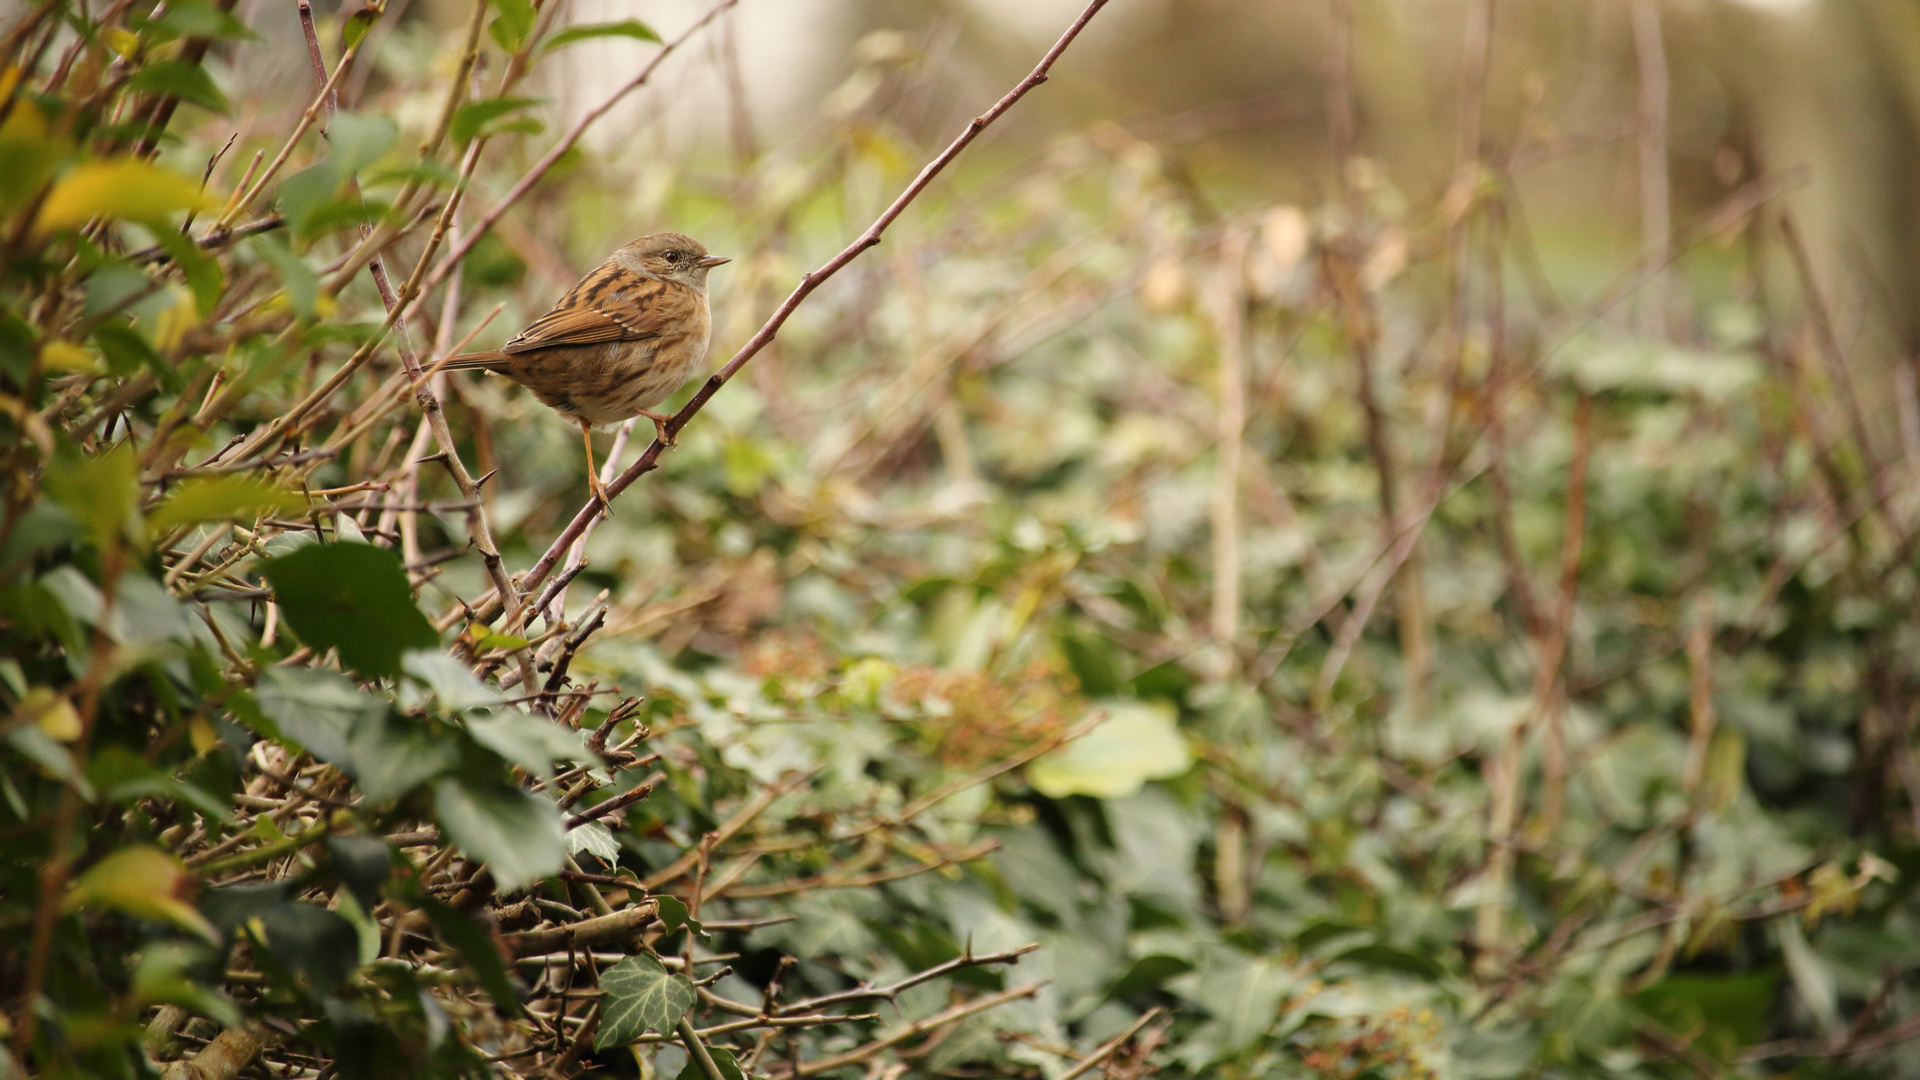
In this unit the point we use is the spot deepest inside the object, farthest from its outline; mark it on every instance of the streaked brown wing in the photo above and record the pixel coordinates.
(610, 304)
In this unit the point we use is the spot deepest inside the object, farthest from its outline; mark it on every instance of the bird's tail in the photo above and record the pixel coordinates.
(491, 360)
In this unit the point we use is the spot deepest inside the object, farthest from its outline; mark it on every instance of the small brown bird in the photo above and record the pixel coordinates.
(620, 342)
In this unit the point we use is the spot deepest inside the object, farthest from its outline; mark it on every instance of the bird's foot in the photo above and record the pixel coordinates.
(660, 431)
(600, 492)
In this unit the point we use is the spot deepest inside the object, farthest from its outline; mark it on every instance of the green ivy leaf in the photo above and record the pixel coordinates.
(127, 350)
(195, 18)
(674, 915)
(526, 740)
(1136, 743)
(627, 28)
(316, 709)
(357, 140)
(640, 997)
(354, 598)
(363, 864)
(478, 948)
(516, 833)
(480, 116)
(121, 776)
(178, 78)
(221, 498)
(102, 493)
(510, 29)
(358, 23)
(722, 1057)
(392, 756)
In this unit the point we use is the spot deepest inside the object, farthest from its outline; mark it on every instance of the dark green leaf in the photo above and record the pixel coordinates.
(122, 776)
(310, 941)
(317, 709)
(39, 528)
(101, 493)
(627, 28)
(201, 270)
(363, 864)
(722, 1057)
(478, 948)
(177, 78)
(640, 997)
(1096, 662)
(127, 350)
(358, 23)
(674, 915)
(393, 755)
(1148, 973)
(526, 740)
(1392, 959)
(1168, 680)
(354, 598)
(306, 193)
(1726, 1012)
(197, 18)
(516, 833)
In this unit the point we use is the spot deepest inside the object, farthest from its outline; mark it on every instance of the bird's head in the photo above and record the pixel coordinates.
(671, 256)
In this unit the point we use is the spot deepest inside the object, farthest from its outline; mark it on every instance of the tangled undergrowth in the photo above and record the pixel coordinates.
(1342, 648)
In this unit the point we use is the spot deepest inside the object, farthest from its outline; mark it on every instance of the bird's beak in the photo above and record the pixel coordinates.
(711, 260)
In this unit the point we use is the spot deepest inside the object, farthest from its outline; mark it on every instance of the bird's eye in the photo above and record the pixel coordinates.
(673, 256)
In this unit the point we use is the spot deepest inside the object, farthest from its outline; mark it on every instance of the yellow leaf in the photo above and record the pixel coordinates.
(66, 356)
(121, 188)
(122, 41)
(201, 734)
(1136, 743)
(175, 321)
(144, 882)
(51, 713)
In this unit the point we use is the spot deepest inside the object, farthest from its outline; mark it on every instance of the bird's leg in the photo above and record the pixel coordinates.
(660, 427)
(593, 474)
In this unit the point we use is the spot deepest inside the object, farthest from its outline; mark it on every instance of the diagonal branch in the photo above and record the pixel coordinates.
(649, 458)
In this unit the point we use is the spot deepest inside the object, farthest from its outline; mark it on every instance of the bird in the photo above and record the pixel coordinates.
(618, 343)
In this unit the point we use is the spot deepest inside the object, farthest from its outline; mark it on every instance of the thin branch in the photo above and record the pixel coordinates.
(559, 149)
(808, 283)
(1086, 1064)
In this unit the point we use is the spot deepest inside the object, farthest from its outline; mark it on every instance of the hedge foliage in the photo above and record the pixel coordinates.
(1123, 626)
